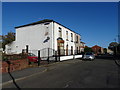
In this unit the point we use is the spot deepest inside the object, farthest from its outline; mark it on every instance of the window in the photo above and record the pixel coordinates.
(76, 39)
(71, 37)
(31, 54)
(71, 50)
(67, 35)
(60, 32)
(59, 28)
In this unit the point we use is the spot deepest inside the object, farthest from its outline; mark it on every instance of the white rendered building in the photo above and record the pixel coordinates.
(45, 34)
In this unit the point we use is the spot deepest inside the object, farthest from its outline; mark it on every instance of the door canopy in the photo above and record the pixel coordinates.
(60, 40)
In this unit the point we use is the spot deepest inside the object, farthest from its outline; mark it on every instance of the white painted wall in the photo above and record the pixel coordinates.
(62, 58)
(78, 56)
(56, 35)
(33, 36)
(11, 48)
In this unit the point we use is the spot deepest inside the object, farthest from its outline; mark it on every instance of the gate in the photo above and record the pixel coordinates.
(46, 55)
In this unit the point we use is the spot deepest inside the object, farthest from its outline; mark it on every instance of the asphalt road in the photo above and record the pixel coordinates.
(100, 73)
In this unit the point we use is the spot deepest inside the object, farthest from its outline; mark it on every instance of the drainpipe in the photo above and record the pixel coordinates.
(53, 37)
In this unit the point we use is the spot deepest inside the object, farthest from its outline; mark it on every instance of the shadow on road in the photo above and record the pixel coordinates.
(105, 57)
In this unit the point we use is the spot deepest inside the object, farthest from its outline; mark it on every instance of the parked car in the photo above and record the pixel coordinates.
(32, 57)
(89, 55)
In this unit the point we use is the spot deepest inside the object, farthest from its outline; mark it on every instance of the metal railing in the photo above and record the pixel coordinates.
(48, 54)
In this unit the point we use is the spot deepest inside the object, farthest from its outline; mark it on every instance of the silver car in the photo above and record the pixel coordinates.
(89, 55)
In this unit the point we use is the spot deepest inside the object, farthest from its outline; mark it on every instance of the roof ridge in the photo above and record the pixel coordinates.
(38, 22)
(43, 21)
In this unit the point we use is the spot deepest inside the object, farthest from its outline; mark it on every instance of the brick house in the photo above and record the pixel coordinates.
(97, 49)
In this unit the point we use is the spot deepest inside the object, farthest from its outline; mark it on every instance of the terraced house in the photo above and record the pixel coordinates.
(45, 34)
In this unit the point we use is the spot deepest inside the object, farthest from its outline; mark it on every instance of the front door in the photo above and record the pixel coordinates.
(60, 45)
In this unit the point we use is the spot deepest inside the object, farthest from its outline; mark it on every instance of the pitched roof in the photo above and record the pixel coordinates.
(96, 46)
(34, 23)
(43, 21)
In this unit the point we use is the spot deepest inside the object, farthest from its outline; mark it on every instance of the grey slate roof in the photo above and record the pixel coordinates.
(43, 21)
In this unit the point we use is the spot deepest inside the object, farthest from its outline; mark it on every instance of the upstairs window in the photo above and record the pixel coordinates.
(76, 38)
(60, 32)
(71, 37)
(67, 35)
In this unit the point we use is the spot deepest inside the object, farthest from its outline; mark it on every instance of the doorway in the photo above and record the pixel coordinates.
(60, 46)
(66, 49)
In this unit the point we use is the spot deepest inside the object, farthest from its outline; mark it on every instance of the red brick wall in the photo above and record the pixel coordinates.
(16, 65)
(96, 49)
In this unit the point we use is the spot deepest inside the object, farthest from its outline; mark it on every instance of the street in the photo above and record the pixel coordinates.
(100, 73)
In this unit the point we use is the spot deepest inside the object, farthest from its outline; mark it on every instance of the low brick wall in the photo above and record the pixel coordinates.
(15, 65)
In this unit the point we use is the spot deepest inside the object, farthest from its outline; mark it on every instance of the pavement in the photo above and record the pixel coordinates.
(32, 70)
(24, 73)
